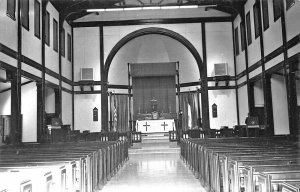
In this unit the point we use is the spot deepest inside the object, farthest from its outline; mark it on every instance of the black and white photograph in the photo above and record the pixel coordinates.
(149, 95)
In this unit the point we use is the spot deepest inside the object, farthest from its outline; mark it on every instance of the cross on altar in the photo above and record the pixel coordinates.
(153, 103)
(146, 125)
(164, 125)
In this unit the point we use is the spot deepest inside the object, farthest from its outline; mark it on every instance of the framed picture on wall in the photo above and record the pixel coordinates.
(26, 186)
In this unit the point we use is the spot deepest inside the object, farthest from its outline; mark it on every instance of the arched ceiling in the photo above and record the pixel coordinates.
(75, 9)
(153, 48)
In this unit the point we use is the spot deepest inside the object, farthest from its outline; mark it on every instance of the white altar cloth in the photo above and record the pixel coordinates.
(152, 126)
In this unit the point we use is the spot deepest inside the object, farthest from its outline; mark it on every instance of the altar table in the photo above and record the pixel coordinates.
(152, 126)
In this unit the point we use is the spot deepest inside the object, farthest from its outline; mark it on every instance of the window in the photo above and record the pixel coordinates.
(37, 19)
(69, 42)
(242, 28)
(62, 43)
(55, 35)
(11, 9)
(265, 12)
(236, 37)
(277, 9)
(248, 22)
(47, 28)
(289, 4)
(257, 24)
(25, 13)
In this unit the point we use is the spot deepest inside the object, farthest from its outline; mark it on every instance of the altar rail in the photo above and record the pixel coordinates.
(243, 164)
(82, 166)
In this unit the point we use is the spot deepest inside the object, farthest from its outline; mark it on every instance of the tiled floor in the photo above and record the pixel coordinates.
(155, 169)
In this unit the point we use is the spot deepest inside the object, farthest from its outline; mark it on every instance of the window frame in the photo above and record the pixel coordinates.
(25, 13)
(289, 4)
(55, 35)
(265, 11)
(248, 25)
(11, 13)
(236, 43)
(63, 43)
(47, 28)
(277, 9)
(257, 23)
(69, 47)
(242, 32)
(37, 19)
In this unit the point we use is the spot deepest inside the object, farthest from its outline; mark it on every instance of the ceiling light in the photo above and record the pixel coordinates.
(95, 10)
(170, 7)
(188, 6)
(132, 8)
(150, 8)
(115, 9)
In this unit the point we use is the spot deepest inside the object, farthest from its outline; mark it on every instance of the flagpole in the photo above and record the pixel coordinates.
(111, 112)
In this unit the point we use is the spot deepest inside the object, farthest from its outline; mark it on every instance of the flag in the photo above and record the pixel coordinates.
(189, 116)
(115, 115)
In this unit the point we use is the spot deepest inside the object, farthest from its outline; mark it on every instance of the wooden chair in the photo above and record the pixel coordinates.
(252, 127)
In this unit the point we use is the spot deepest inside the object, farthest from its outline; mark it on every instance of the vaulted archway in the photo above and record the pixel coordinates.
(160, 31)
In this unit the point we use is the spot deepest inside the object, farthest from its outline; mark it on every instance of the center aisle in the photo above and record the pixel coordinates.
(155, 166)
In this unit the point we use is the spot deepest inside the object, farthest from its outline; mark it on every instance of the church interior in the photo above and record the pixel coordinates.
(149, 95)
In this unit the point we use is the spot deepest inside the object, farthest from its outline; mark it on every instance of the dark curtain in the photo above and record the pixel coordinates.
(153, 81)
(189, 101)
(119, 112)
(161, 89)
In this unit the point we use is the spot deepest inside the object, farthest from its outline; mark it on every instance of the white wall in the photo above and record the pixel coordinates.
(258, 94)
(29, 112)
(280, 106)
(273, 35)
(31, 45)
(8, 29)
(66, 108)
(243, 104)
(86, 51)
(240, 59)
(5, 103)
(66, 65)
(226, 102)
(49, 100)
(84, 105)
(254, 48)
(219, 46)
(292, 20)
(50, 54)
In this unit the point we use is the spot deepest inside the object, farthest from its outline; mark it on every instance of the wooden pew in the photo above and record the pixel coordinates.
(96, 160)
(203, 156)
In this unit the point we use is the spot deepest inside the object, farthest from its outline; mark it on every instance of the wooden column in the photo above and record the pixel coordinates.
(235, 74)
(266, 79)
(16, 121)
(58, 96)
(204, 93)
(73, 105)
(104, 88)
(41, 134)
(16, 128)
(129, 99)
(41, 94)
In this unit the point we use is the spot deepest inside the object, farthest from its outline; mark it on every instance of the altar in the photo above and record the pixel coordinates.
(152, 126)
